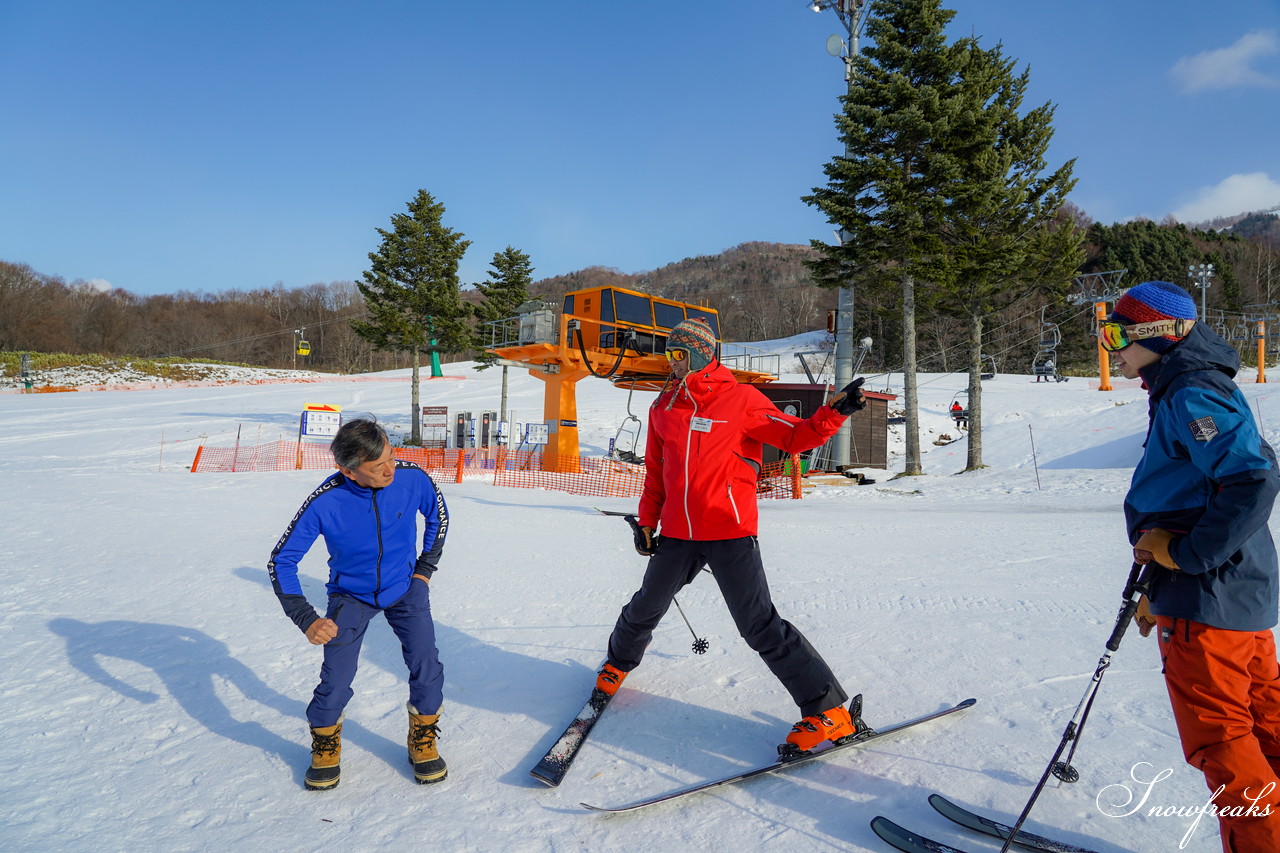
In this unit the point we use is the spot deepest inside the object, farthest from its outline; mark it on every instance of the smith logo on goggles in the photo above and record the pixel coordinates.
(1115, 336)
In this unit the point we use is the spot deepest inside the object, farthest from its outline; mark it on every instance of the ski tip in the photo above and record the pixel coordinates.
(886, 828)
(590, 807)
(904, 839)
(968, 703)
(549, 782)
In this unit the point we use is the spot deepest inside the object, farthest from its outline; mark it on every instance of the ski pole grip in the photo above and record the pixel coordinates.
(1134, 589)
(1122, 624)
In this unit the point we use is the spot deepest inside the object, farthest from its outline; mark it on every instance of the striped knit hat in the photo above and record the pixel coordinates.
(1151, 301)
(695, 337)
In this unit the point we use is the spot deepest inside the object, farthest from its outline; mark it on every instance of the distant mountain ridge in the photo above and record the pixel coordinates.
(1260, 226)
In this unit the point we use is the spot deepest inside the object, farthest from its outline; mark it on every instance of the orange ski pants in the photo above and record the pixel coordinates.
(1225, 690)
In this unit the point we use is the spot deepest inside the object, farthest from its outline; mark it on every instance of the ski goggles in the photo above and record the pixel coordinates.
(1113, 336)
(677, 355)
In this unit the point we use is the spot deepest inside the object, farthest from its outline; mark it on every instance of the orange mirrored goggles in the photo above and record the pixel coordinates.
(677, 355)
(1113, 336)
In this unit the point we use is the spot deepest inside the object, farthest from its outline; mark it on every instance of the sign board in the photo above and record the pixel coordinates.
(435, 426)
(320, 421)
(535, 434)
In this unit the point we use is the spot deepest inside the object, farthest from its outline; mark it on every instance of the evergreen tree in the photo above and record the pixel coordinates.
(506, 290)
(883, 192)
(411, 291)
(998, 223)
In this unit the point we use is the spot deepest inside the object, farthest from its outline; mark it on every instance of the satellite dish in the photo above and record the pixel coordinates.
(835, 45)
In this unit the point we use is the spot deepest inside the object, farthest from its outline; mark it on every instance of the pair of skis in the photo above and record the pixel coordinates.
(911, 842)
(555, 764)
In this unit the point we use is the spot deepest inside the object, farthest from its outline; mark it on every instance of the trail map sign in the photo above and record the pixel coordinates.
(320, 421)
(435, 426)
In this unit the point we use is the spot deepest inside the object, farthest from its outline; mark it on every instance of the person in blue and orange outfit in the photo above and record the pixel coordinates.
(702, 457)
(1198, 508)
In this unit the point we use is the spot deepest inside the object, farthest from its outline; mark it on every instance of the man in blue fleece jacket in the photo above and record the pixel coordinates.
(367, 513)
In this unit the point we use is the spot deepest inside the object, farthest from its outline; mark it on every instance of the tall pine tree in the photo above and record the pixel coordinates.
(882, 193)
(998, 224)
(940, 184)
(411, 291)
(506, 290)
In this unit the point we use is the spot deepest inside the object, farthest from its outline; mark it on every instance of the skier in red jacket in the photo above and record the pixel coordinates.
(702, 459)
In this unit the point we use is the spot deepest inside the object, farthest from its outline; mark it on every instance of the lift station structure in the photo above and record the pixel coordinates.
(607, 332)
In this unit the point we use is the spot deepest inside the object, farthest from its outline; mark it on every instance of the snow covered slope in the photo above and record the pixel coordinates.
(153, 691)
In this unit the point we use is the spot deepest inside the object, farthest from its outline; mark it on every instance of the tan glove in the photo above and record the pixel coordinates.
(1154, 545)
(1143, 618)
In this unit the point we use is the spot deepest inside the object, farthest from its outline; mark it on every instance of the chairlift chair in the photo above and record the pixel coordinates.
(628, 456)
(988, 359)
(958, 409)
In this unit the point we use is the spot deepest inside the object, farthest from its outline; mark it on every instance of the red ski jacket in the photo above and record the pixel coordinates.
(702, 454)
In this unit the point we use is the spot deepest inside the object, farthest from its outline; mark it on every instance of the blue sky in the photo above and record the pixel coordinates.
(159, 147)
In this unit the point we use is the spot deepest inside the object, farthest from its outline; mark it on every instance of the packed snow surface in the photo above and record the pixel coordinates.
(154, 691)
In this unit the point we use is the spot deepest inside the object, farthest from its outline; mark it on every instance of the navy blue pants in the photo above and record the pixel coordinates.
(737, 568)
(410, 619)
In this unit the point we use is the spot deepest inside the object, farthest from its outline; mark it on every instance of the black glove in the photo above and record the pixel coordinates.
(646, 542)
(850, 399)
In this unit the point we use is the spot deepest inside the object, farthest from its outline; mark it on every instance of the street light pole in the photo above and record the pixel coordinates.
(1201, 273)
(850, 13)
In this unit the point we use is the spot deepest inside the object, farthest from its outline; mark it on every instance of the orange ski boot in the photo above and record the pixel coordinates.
(609, 679)
(832, 725)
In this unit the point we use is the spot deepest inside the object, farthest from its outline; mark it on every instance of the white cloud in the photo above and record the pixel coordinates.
(1236, 194)
(1228, 67)
(99, 284)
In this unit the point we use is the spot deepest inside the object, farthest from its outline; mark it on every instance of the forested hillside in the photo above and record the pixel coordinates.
(763, 291)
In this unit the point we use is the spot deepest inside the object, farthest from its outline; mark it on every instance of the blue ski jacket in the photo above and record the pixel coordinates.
(1208, 477)
(371, 535)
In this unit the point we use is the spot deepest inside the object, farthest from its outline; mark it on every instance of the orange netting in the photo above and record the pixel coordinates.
(525, 469)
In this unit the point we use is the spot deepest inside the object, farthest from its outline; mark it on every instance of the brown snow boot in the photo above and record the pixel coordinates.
(326, 751)
(428, 766)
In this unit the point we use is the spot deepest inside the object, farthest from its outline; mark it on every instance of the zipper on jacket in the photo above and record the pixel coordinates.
(377, 576)
(688, 450)
(737, 518)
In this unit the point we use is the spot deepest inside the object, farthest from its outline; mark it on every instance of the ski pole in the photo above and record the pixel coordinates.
(700, 644)
(1138, 585)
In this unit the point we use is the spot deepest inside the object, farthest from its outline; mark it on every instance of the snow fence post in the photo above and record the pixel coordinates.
(797, 491)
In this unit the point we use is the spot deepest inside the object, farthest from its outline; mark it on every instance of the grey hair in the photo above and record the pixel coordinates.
(358, 441)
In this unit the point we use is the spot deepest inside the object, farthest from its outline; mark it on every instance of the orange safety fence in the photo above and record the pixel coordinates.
(594, 475)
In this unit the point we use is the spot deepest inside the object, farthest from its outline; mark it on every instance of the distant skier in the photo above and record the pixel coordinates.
(959, 415)
(1198, 508)
(702, 458)
(367, 514)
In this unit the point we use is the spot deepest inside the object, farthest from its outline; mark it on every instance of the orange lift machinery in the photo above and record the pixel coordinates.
(607, 332)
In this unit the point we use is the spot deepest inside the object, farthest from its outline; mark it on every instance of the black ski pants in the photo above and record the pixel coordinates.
(738, 570)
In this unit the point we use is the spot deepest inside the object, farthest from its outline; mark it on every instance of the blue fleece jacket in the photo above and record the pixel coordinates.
(371, 535)
(1208, 477)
